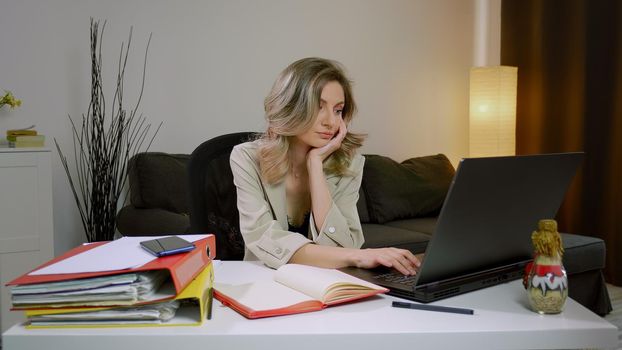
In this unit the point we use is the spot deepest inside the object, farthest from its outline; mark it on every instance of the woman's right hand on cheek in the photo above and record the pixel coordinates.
(334, 144)
(400, 259)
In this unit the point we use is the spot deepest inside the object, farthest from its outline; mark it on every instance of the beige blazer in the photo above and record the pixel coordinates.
(263, 211)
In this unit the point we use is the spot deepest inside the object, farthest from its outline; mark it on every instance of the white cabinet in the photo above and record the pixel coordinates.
(26, 219)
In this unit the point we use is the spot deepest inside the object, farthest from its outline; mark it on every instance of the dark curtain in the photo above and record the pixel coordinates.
(569, 59)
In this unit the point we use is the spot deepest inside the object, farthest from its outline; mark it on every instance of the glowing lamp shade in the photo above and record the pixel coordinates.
(492, 117)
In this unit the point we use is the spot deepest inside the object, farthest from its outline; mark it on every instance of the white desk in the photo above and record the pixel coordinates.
(502, 320)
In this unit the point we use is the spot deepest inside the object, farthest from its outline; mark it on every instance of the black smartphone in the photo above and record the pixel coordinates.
(167, 246)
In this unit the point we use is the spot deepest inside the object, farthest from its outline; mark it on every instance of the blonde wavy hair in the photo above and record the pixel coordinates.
(291, 108)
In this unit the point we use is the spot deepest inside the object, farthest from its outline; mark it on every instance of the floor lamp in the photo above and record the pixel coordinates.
(492, 117)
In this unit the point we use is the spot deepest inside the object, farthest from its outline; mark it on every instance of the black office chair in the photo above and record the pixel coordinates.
(213, 198)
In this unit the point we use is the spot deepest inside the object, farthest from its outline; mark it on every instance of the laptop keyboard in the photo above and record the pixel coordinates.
(396, 277)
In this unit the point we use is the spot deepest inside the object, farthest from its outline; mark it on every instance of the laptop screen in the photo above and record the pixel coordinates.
(491, 209)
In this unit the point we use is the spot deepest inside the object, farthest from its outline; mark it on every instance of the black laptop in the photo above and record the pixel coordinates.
(483, 232)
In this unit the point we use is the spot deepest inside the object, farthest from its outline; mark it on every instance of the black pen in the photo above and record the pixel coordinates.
(427, 307)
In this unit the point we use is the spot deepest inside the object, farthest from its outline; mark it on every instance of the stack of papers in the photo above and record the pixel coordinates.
(153, 314)
(117, 283)
(125, 289)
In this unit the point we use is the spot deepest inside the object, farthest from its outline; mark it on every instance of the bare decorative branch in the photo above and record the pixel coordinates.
(102, 148)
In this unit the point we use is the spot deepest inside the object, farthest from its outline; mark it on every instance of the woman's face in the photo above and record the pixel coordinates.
(327, 121)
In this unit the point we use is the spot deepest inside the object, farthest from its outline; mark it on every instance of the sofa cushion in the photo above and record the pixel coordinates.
(424, 225)
(379, 236)
(361, 207)
(132, 221)
(582, 253)
(159, 180)
(414, 188)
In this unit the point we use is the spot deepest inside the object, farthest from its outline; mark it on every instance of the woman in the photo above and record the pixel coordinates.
(297, 185)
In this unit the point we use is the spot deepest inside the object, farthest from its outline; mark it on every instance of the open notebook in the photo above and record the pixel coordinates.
(294, 289)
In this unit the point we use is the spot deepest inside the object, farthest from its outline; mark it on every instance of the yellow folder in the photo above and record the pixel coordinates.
(191, 312)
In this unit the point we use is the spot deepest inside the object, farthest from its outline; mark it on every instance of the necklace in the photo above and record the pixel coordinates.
(296, 173)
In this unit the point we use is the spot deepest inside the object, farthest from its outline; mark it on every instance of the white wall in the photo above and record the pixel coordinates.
(487, 35)
(211, 63)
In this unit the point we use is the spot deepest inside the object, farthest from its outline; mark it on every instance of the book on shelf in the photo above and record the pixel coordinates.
(27, 137)
(116, 273)
(21, 132)
(188, 308)
(294, 289)
(26, 141)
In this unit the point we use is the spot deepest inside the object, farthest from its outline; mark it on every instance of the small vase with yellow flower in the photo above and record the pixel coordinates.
(547, 282)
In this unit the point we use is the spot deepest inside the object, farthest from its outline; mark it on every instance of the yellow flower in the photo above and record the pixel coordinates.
(9, 99)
